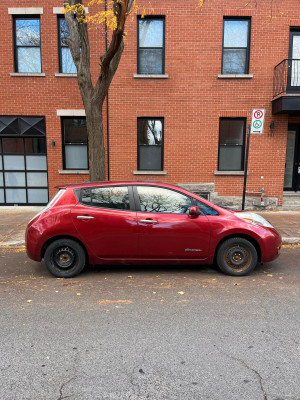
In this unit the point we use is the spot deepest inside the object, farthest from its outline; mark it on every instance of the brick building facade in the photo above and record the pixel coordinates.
(178, 107)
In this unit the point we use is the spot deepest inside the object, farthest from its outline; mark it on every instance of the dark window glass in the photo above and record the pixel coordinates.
(35, 145)
(231, 144)
(27, 45)
(27, 126)
(75, 146)
(13, 145)
(236, 46)
(204, 208)
(86, 196)
(150, 144)
(115, 197)
(160, 200)
(66, 63)
(151, 45)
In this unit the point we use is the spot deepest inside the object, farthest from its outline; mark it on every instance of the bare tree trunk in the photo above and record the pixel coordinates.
(96, 153)
(93, 97)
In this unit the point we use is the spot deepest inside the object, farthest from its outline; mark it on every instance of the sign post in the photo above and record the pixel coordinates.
(256, 127)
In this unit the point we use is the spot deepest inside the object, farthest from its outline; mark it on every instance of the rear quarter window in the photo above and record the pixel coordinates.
(113, 197)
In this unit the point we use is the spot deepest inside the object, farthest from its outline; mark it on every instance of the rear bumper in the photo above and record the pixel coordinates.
(34, 242)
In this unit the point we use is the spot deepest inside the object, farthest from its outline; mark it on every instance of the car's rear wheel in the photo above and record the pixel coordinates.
(237, 256)
(65, 258)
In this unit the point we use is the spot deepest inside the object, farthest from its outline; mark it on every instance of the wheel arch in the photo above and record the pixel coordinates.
(51, 240)
(243, 236)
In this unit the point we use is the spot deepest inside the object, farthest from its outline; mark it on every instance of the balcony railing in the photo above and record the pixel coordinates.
(287, 77)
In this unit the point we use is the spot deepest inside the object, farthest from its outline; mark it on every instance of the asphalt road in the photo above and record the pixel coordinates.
(150, 332)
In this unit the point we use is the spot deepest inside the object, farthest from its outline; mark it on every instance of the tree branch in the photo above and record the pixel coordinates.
(79, 47)
(110, 60)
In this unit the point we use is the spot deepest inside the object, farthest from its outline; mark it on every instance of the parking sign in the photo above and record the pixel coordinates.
(258, 119)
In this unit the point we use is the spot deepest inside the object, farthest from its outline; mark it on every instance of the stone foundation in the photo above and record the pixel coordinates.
(207, 190)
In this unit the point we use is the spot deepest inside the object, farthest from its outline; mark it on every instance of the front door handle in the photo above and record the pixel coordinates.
(148, 221)
(84, 217)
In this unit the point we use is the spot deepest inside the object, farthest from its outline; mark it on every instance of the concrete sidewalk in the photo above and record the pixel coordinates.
(13, 221)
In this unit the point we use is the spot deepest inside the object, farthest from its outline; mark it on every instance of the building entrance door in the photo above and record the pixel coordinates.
(292, 159)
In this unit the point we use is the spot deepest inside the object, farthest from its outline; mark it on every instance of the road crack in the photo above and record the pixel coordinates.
(61, 396)
(259, 377)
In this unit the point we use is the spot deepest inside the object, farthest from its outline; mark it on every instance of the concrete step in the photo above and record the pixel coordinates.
(290, 201)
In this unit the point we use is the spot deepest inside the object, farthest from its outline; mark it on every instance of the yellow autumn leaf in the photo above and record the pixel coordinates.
(180, 292)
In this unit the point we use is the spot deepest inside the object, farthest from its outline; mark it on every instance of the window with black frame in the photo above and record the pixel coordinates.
(27, 44)
(151, 45)
(236, 46)
(66, 63)
(23, 160)
(150, 144)
(232, 144)
(75, 143)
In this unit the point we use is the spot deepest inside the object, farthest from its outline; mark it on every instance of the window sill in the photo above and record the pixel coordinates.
(235, 76)
(229, 173)
(27, 74)
(149, 172)
(64, 75)
(73, 171)
(144, 76)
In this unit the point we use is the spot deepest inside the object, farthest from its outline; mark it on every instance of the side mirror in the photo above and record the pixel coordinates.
(194, 210)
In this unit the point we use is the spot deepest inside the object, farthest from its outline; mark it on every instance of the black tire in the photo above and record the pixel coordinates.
(236, 256)
(65, 258)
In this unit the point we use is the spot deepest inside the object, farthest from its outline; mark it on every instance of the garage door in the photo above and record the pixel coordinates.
(23, 161)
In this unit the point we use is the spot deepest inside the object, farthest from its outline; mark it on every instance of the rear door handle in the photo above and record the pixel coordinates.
(148, 221)
(84, 217)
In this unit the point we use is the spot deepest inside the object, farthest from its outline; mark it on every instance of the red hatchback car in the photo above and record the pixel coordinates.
(145, 222)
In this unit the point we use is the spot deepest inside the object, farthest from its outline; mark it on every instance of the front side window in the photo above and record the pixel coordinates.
(115, 197)
(151, 46)
(160, 200)
(75, 143)
(204, 208)
(27, 45)
(66, 63)
(236, 44)
(150, 144)
(231, 144)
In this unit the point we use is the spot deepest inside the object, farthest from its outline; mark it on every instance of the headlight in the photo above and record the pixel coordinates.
(253, 218)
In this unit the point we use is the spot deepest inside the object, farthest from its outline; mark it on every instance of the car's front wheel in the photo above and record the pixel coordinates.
(65, 258)
(236, 256)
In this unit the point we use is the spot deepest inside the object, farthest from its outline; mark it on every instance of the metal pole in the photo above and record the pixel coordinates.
(107, 104)
(246, 167)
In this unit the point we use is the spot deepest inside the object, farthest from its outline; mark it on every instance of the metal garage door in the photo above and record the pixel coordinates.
(23, 161)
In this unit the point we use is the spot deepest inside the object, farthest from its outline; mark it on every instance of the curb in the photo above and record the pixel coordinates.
(290, 240)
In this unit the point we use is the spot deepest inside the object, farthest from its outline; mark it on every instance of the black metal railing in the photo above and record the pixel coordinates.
(286, 77)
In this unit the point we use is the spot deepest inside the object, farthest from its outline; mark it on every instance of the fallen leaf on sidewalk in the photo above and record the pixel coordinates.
(130, 276)
(180, 292)
(78, 294)
(29, 301)
(269, 275)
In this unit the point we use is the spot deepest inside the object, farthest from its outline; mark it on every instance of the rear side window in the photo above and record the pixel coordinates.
(115, 197)
(205, 209)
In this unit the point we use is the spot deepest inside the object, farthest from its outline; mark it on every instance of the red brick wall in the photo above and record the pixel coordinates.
(191, 100)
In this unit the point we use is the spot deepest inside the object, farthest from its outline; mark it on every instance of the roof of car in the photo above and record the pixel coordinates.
(118, 183)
